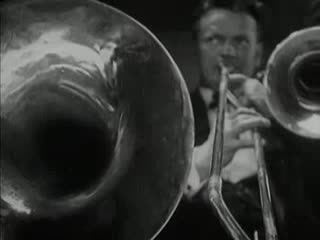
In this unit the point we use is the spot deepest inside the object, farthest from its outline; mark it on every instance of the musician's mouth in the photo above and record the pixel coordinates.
(230, 64)
(230, 67)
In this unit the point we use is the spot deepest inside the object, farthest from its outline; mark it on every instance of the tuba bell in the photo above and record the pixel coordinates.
(96, 124)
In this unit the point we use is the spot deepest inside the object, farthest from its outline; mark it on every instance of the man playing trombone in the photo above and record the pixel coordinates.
(228, 31)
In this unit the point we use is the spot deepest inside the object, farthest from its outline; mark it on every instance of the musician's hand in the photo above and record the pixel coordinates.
(250, 92)
(241, 121)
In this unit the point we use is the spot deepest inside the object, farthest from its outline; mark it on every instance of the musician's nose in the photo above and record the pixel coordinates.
(228, 49)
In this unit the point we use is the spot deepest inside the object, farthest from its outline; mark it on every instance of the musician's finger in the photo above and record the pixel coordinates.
(245, 116)
(235, 78)
(250, 123)
(253, 88)
(248, 111)
(261, 105)
(241, 118)
(242, 143)
(236, 82)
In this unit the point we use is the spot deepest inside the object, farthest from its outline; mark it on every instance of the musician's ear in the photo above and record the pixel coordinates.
(258, 55)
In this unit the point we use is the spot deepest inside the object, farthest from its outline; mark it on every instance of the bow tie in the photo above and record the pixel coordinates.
(214, 100)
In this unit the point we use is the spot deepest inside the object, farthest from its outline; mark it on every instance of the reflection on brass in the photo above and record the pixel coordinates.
(96, 123)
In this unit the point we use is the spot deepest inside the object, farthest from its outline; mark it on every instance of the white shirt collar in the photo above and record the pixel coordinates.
(206, 94)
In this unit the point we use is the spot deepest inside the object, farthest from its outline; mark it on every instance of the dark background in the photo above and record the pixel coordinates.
(171, 21)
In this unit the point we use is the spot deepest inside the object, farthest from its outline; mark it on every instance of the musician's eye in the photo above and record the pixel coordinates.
(241, 41)
(214, 39)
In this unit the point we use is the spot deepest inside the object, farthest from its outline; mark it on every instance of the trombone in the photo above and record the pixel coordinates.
(215, 179)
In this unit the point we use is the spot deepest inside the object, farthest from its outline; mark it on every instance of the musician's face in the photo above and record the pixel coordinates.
(231, 37)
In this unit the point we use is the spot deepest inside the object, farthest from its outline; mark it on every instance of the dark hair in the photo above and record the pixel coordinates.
(253, 8)
(313, 15)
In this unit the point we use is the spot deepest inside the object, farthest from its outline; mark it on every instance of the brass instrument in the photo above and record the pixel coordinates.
(295, 101)
(293, 97)
(215, 180)
(96, 124)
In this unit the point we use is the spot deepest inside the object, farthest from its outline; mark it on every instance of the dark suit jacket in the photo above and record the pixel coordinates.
(293, 165)
(195, 219)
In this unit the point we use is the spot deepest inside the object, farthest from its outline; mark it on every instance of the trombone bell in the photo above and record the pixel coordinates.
(292, 83)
